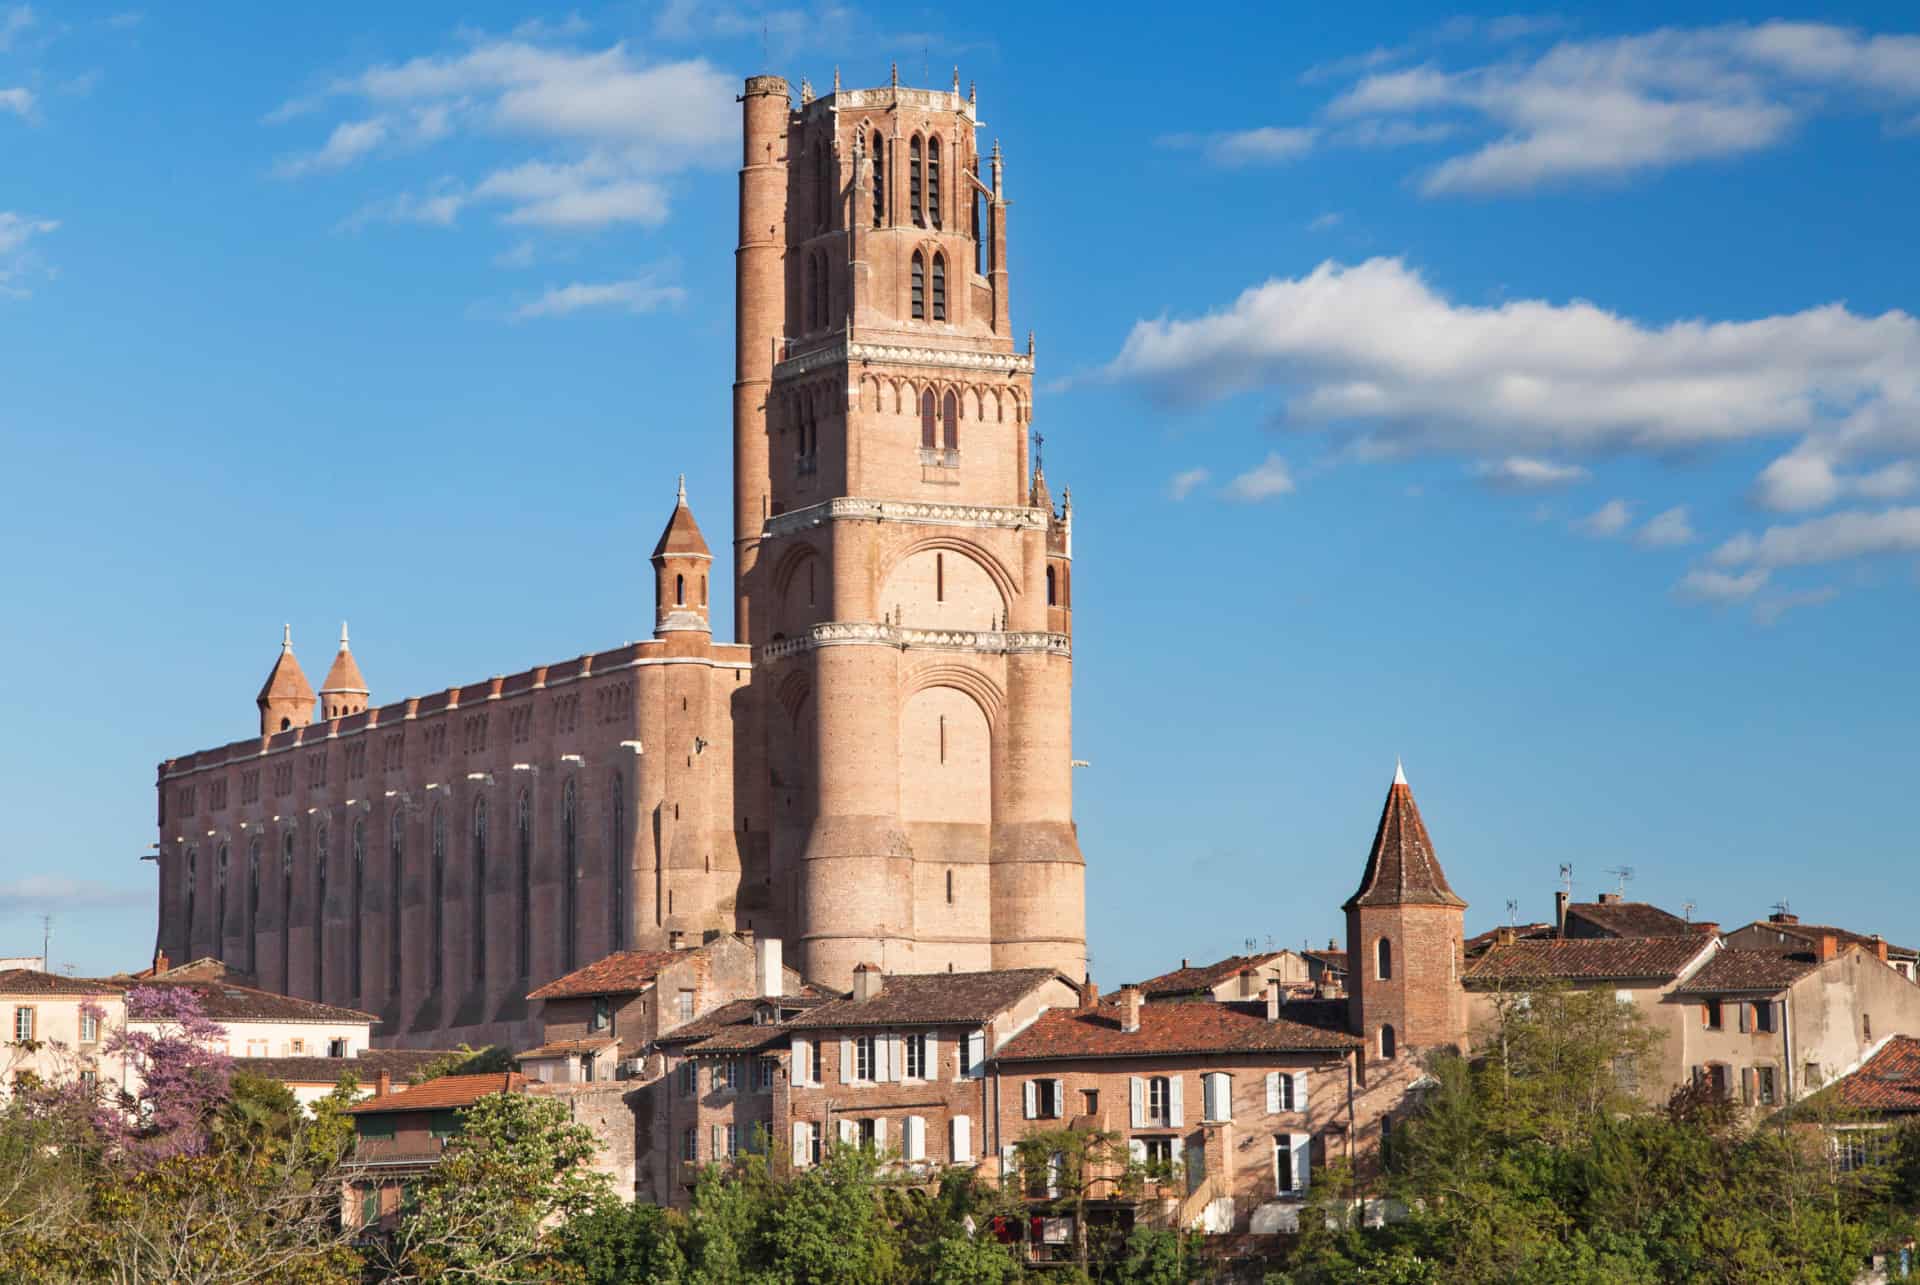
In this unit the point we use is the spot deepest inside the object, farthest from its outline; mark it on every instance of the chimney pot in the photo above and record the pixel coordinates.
(1333, 944)
(1089, 994)
(768, 967)
(1828, 947)
(1609, 898)
(867, 982)
(383, 1084)
(1129, 1008)
(1880, 948)
(1782, 917)
(1273, 999)
(1560, 900)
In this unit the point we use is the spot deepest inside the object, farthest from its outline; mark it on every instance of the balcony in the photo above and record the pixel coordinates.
(939, 457)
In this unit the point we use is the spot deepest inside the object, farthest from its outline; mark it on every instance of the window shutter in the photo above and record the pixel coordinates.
(802, 1059)
(896, 1057)
(1032, 1098)
(880, 1133)
(1137, 1150)
(1137, 1101)
(931, 1057)
(1009, 1161)
(915, 1139)
(1706, 1018)
(1300, 1092)
(1176, 1106)
(846, 1061)
(1302, 1161)
(719, 1142)
(1059, 1098)
(1273, 1093)
(1744, 1010)
(1746, 1078)
(977, 1053)
(802, 1144)
(962, 1139)
(849, 1132)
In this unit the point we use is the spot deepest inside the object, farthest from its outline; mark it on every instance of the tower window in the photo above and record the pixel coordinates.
(926, 420)
(1383, 960)
(253, 905)
(396, 852)
(913, 184)
(939, 287)
(1388, 1043)
(679, 591)
(479, 894)
(569, 872)
(933, 181)
(879, 180)
(1052, 596)
(823, 187)
(523, 842)
(703, 591)
(950, 414)
(940, 592)
(919, 287)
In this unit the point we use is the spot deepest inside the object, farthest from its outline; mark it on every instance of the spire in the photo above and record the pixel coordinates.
(1402, 868)
(286, 640)
(344, 692)
(682, 535)
(1399, 772)
(286, 698)
(681, 564)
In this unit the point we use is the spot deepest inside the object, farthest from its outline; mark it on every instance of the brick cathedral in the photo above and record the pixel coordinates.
(877, 769)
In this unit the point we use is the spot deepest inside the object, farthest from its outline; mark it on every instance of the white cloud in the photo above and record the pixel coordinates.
(1185, 483)
(1322, 222)
(14, 21)
(18, 260)
(59, 890)
(1854, 533)
(1395, 133)
(1768, 608)
(17, 101)
(641, 294)
(1807, 479)
(1706, 585)
(349, 141)
(1524, 473)
(1667, 530)
(1607, 521)
(1265, 481)
(590, 193)
(1267, 145)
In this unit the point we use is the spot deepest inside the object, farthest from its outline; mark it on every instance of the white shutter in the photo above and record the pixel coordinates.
(719, 1142)
(896, 1057)
(1300, 1092)
(846, 1061)
(1032, 1094)
(880, 1133)
(1176, 1107)
(1137, 1150)
(977, 1053)
(802, 1144)
(1302, 1161)
(1009, 1165)
(1273, 1093)
(1059, 1098)
(1137, 1101)
(849, 1132)
(802, 1059)
(931, 1058)
(962, 1139)
(915, 1140)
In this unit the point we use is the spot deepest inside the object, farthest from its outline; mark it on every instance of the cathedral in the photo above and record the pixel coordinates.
(876, 769)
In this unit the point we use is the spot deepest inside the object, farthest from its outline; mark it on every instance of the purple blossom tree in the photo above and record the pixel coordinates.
(183, 1072)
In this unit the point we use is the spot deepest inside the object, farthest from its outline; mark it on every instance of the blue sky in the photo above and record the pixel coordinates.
(1533, 397)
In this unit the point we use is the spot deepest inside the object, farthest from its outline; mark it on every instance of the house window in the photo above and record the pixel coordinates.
(726, 1075)
(602, 1014)
(296, 1048)
(1283, 1162)
(1383, 960)
(689, 1078)
(916, 1059)
(1157, 1154)
(89, 1081)
(1216, 1092)
(337, 1047)
(1626, 1074)
(1044, 1100)
(1090, 1101)
(690, 1145)
(806, 1142)
(1711, 1016)
(1159, 1093)
(1763, 1090)
(869, 1134)
(1763, 1017)
(863, 1060)
(89, 1027)
(22, 1024)
(258, 1048)
(683, 1005)
(1388, 1043)
(763, 1074)
(1810, 1077)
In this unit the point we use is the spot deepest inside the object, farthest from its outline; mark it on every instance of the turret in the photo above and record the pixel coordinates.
(344, 692)
(1404, 939)
(681, 564)
(286, 698)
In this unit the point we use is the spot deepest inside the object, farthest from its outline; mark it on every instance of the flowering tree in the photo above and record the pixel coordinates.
(183, 1073)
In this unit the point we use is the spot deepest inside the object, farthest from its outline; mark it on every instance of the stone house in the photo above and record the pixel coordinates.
(57, 1028)
(400, 1134)
(1783, 931)
(1243, 977)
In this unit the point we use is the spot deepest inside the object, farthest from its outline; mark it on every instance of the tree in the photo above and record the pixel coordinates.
(828, 1229)
(1061, 1170)
(616, 1243)
(182, 1067)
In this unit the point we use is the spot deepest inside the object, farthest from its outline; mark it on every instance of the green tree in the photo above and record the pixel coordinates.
(616, 1243)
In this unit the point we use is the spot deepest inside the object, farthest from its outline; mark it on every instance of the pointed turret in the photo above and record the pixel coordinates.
(1401, 868)
(344, 692)
(681, 561)
(286, 698)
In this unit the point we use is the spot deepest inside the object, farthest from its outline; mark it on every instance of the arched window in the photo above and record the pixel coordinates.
(478, 895)
(927, 441)
(823, 186)
(569, 873)
(933, 181)
(939, 287)
(193, 862)
(253, 904)
(319, 909)
(1383, 959)
(220, 903)
(879, 180)
(396, 869)
(679, 591)
(523, 911)
(919, 287)
(950, 421)
(820, 292)
(1053, 598)
(979, 227)
(617, 864)
(286, 913)
(913, 183)
(359, 893)
(437, 900)
(703, 582)
(1387, 1043)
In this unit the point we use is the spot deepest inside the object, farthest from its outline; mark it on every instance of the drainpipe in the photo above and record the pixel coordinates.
(1786, 1037)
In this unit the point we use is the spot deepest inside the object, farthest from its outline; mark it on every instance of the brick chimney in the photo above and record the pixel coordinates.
(1609, 898)
(1505, 935)
(383, 1084)
(1828, 947)
(1707, 927)
(1273, 999)
(1880, 948)
(1782, 917)
(1560, 900)
(767, 967)
(159, 962)
(1129, 1008)
(1089, 994)
(867, 981)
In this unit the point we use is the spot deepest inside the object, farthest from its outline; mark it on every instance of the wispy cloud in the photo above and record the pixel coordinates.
(637, 295)
(1268, 480)
(1186, 482)
(1703, 584)
(1666, 530)
(61, 891)
(1524, 473)
(1266, 145)
(14, 22)
(1607, 521)
(1324, 222)
(19, 261)
(1768, 608)
(18, 101)
(1853, 533)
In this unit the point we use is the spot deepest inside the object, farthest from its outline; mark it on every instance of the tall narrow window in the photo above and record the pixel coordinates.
(569, 873)
(1387, 1043)
(940, 585)
(679, 591)
(933, 181)
(939, 287)
(523, 855)
(879, 180)
(1052, 597)
(617, 864)
(253, 905)
(823, 186)
(1383, 960)
(913, 183)
(320, 910)
(193, 862)
(478, 895)
(396, 869)
(359, 892)
(220, 903)
(919, 287)
(286, 913)
(950, 421)
(437, 903)
(927, 441)
(810, 292)
(820, 291)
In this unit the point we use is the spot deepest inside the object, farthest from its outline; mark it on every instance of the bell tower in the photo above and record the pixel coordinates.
(893, 547)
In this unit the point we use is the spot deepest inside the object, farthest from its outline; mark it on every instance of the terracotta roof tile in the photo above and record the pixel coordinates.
(1587, 959)
(224, 1001)
(1480, 942)
(735, 1015)
(328, 1070)
(1196, 1026)
(1402, 868)
(682, 533)
(286, 680)
(448, 1091)
(1811, 934)
(565, 1048)
(1888, 1081)
(1631, 919)
(931, 999)
(621, 973)
(344, 674)
(1749, 970)
(31, 981)
(1189, 981)
(1334, 959)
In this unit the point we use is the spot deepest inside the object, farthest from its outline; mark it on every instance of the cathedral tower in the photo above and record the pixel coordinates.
(893, 550)
(1404, 939)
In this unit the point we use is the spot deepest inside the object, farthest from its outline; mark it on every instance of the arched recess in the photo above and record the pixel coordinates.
(978, 687)
(800, 585)
(941, 582)
(792, 694)
(946, 760)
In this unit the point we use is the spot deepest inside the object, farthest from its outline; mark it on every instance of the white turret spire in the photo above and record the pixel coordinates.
(1399, 772)
(286, 638)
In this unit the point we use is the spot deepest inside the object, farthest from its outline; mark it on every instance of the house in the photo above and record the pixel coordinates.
(312, 1077)
(263, 1024)
(400, 1134)
(1235, 977)
(1614, 916)
(1230, 1105)
(1326, 969)
(1783, 931)
(57, 1028)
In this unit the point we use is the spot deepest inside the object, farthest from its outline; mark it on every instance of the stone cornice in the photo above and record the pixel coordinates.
(858, 352)
(850, 508)
(860, 633)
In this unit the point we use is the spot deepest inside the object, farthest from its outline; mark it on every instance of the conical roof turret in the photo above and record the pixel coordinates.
(1402, 869)
(682, 535)
(286, 698)
(344, 692)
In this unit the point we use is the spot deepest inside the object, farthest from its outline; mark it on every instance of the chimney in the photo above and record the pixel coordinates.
(1129, 1008)
(867, 981)
(1329, 988)
(1609, 898)
(1089, 994)
(1183, 962)
(767, 967)
(159, 962)
(383, 1084)
(1506, 934)
(1273, 999)
(1560, 900)
(1333, 945)
(1707, 927)
(1828, 947)
(1782, 917)
(1880, 948)
(676, 940)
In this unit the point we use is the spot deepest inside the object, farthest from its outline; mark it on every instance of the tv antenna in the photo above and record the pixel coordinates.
(1781, 907)
(1566, 878)
(1621, 875)
(1513, 912)
(1686, 911)
(1248, 943)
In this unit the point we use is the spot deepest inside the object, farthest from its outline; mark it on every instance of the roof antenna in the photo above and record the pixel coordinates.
(1566, 878)
(1513, 912)
(1621, 874)
(1686, 910)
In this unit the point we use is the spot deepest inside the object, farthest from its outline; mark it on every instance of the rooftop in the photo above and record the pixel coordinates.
(1749, 970)
(1587, 959)
(1631, 919)
(224, 1001)
(568, 1048)
(1194, 1026)
(931, 999)
(1888, 1081)
(624, 972)
(31, 981)
(1402, 869)
(1186, 980)
(328, 1070)
(447, 1092)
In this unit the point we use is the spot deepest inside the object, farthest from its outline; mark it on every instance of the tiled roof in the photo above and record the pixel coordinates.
(1334, 959)
(328, 1070)
(1196, 1026)
(285, 681)
(932, 998)
(1889, 1080)
(1749, 970)
(1587, 959)
(1188, 981)
(1631, 919)
(1811, 934)
(568, 1048)
(621, 973)
(446, 1092)
(1479, 942)
(1402, 869)
(682, 534)
(223, 1001)
(31, 981)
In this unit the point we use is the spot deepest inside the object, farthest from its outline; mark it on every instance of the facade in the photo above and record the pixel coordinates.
(57, 1029)
(400, 1134)
(313, 1077)
(878, 768)
(1783, 931)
